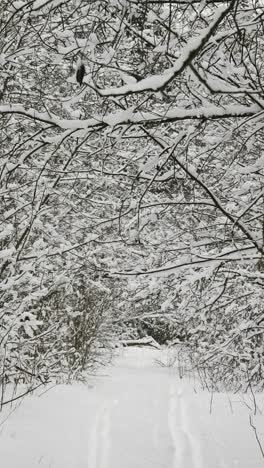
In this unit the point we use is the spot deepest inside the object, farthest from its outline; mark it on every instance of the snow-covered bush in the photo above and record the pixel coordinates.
(65, 333)
(222, 328)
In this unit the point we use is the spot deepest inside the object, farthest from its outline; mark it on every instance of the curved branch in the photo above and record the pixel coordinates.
(157, 83)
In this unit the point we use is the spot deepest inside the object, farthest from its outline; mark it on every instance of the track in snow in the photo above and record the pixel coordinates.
(135, 415)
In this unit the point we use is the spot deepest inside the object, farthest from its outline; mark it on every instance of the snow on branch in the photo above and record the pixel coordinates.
(146, 341)
(188, 262)
(128, 117)
(212, 112)
(159, 82)
(180, 2)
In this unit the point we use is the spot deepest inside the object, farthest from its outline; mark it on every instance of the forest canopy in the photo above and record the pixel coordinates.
(134, 192)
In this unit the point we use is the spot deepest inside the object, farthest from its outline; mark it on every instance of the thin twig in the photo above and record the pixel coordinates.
(256, 435)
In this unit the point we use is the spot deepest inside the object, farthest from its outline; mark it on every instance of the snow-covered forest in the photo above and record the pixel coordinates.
(131, 181)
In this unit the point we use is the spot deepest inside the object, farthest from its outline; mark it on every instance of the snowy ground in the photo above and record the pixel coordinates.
(136, 414)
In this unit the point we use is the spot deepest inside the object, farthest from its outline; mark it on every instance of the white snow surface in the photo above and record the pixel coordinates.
(134, 414)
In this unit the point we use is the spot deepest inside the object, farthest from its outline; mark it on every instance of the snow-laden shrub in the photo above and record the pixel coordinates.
(64, 334)
(223, 329)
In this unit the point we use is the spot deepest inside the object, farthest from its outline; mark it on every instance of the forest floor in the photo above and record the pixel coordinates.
(133, 414)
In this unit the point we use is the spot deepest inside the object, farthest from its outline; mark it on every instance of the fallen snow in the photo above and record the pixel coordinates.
(135, 414)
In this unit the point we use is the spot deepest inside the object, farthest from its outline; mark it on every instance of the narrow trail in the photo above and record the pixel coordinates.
(135, 414)
(131, 423)
(150, 418)
(186, 446)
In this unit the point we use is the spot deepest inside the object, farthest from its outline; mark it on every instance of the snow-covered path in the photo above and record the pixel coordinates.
(136, 415)
(131, 424)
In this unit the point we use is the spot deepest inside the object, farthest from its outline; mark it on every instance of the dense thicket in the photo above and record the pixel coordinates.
(139, 194)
